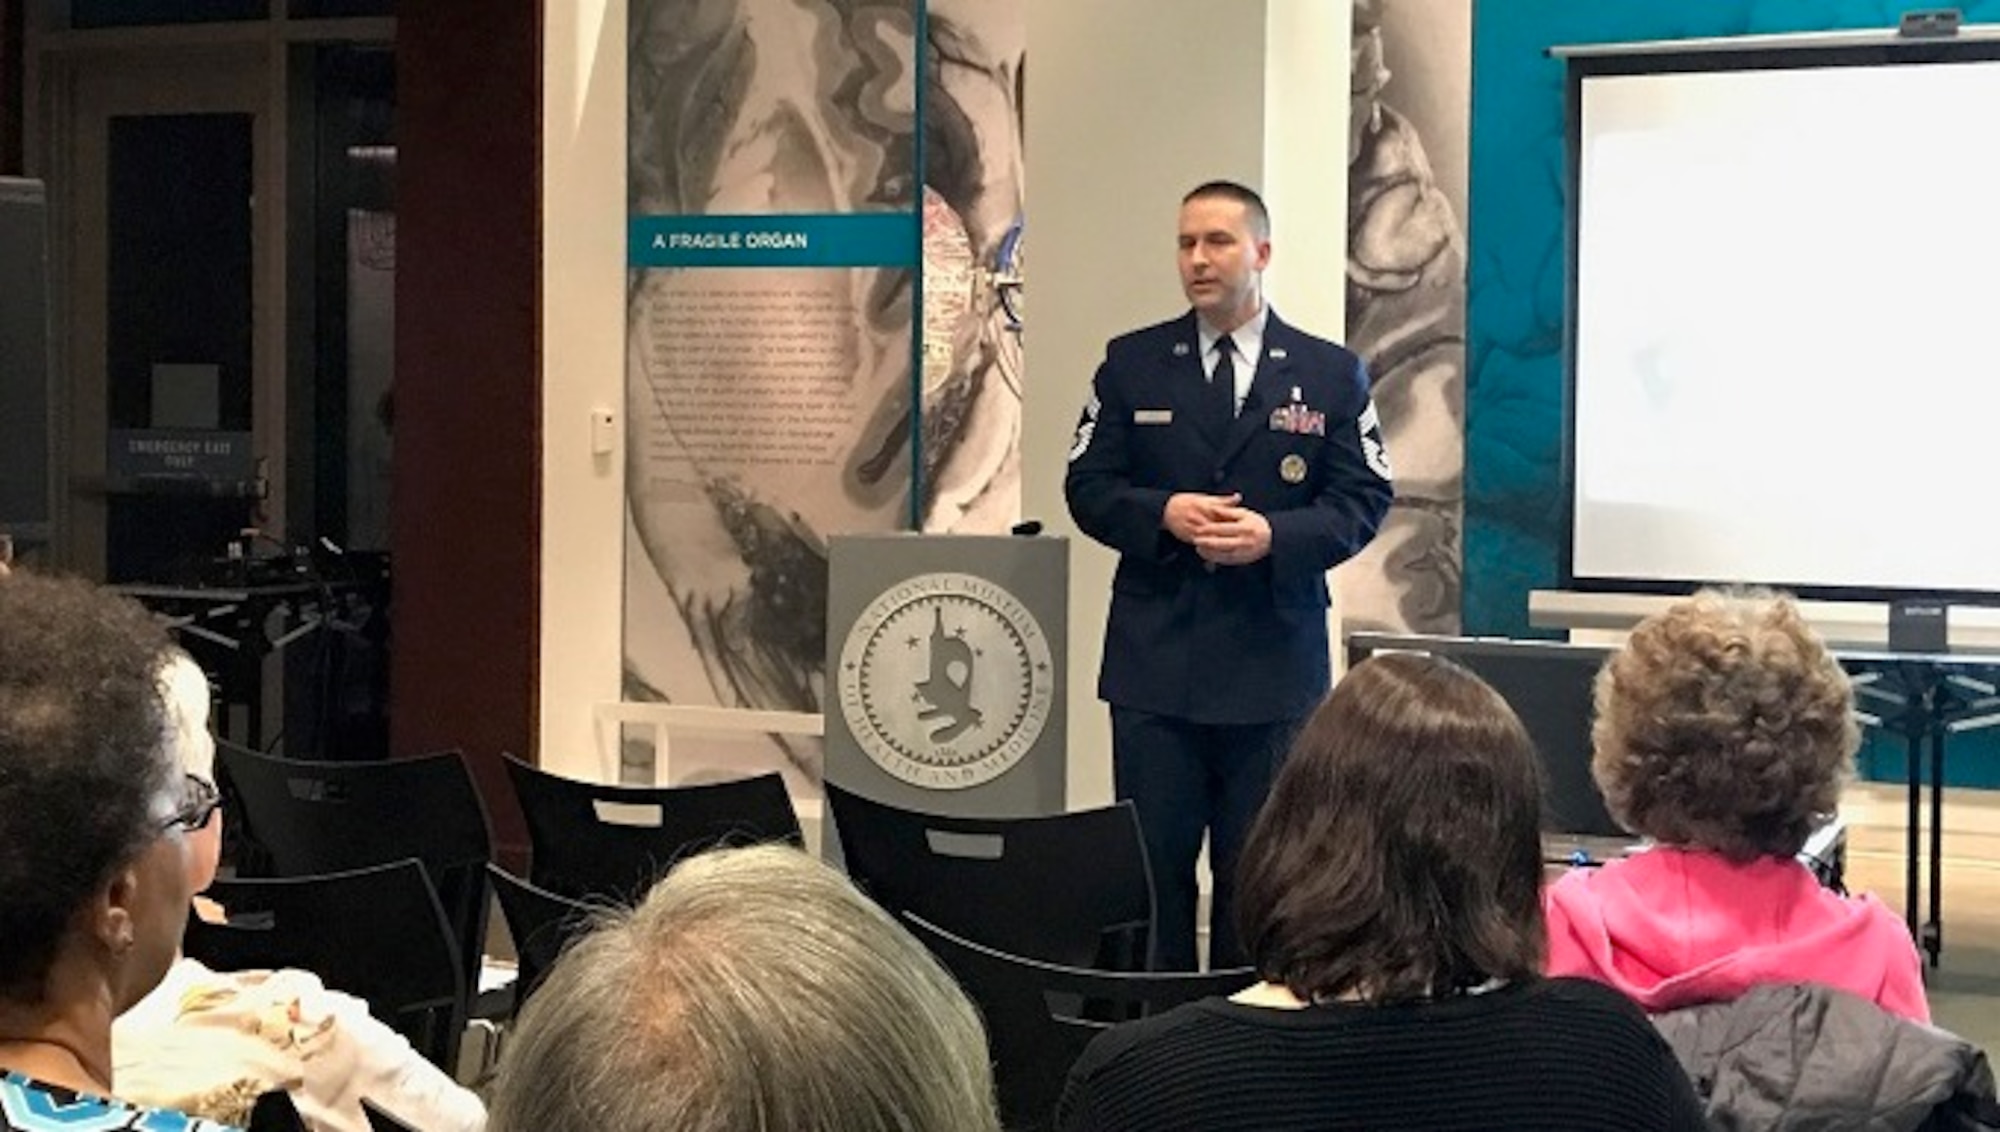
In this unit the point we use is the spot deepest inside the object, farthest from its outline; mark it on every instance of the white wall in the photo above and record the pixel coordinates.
(1130, 103)
(583, 367)
(1305, 159)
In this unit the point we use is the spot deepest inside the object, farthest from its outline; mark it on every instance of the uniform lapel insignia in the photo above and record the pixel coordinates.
(1277, 353)
(1180, 349)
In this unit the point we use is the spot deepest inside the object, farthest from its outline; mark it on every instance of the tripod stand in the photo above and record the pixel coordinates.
(1924, 698)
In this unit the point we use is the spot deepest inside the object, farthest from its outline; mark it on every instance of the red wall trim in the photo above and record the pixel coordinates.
(466, 511)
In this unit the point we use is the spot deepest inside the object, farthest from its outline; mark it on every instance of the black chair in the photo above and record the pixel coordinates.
(275, 1112)
(380, 1121)
(313, 818)
(1069, 888)
(1036, 1023)
(541, 922)
(376, 933)
(589, 839)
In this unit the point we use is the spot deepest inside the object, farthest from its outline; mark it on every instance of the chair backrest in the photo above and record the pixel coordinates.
(590, 839)
(380, 1121)
(314, 818)
(541, 922)
(1055, 887)
(275, 1112)
(1039, 1016)
(376, 933)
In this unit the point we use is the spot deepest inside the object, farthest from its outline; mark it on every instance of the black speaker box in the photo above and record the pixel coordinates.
(25, 402)
(1918, 625)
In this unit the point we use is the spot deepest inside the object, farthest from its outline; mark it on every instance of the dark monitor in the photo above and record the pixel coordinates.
(1548, 684)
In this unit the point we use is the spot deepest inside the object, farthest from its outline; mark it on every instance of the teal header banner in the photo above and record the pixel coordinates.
(869, 239)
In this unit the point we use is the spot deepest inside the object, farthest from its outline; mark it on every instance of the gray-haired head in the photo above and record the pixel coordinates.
(752, 989)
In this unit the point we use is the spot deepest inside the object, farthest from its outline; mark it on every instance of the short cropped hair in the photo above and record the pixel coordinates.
(1399, 855)
(1253, 205)
(752, 989)
(83, 759)
(1724, 724)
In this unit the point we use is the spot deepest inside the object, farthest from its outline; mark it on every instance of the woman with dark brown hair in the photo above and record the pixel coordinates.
(1390, 898)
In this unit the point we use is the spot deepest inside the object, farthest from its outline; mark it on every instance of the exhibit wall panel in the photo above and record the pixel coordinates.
(1407, 133)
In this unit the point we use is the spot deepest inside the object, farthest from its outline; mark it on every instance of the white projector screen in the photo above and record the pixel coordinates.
(1785, 304)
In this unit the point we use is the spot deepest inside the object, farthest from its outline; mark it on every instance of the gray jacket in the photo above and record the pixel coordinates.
(1807, 1057)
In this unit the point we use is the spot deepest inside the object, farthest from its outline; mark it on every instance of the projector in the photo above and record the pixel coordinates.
(1929, 23)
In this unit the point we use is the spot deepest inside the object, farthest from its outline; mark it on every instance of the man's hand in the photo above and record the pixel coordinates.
(1190, 513)
(1237, 537)
(1219, 527)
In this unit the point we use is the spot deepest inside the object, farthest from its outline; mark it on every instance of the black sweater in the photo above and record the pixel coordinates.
(1544, 1056)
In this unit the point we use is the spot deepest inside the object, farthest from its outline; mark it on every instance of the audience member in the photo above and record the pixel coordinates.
(1724, 731)
(1390, 898)
(94, 851)
(751, 990)
(208, 1043)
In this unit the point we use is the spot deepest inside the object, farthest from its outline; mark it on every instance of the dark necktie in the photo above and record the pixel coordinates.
(1222, 387)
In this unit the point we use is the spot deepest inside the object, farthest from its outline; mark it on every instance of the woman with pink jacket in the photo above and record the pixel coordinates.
(1724, 732)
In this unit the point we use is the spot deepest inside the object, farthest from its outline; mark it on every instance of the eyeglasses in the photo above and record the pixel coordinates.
(199, 802)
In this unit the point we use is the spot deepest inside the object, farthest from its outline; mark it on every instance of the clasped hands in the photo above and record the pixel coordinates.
(1219, 527)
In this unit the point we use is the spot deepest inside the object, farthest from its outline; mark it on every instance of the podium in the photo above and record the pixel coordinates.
(946, 672)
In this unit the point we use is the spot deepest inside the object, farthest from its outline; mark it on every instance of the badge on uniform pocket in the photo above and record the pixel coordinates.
(1292, 469)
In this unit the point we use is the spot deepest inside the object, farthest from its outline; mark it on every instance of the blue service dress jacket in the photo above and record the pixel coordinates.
(1225, 644)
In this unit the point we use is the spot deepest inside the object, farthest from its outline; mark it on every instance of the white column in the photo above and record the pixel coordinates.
(583, 368)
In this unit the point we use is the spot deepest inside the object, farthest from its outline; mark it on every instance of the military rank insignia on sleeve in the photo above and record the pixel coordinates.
(1086, 427)
(1372, 448)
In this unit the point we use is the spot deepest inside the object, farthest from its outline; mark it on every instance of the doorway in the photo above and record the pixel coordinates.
(174, 407)
(221, 197)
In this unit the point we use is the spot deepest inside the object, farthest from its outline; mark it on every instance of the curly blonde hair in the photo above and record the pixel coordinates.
(1724, 724)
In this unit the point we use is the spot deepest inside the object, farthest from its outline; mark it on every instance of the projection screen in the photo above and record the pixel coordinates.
(1785, 298)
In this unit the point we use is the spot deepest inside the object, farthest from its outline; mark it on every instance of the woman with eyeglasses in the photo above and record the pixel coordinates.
(95, 854)
(209, 1042)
